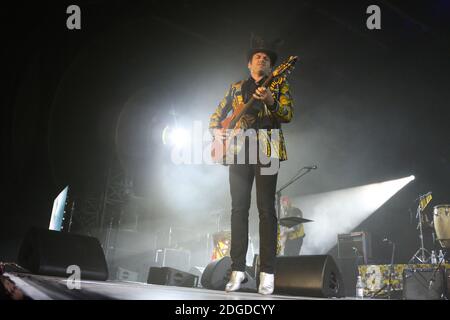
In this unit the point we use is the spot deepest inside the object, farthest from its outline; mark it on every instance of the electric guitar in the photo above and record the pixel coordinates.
(220, 149)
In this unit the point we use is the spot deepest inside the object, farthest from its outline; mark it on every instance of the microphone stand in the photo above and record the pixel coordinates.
(391, 269)
(433, 276)
(295, 178)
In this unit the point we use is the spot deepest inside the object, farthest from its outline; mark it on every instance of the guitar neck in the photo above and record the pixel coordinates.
(249, 104)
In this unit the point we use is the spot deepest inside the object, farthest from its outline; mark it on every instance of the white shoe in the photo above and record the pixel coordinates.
(266, 283)
(237, 277)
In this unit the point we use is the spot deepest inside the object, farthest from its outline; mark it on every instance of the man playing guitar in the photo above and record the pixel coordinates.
(266, 107)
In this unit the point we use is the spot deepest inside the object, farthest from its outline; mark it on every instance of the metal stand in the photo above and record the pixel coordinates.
(297, 176)
(107, 247)
(433, 277)
(391, 271)
(72, 209)
(422, 255)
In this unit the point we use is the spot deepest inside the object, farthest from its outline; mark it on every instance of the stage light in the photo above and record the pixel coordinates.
(341, 211)
(177, 137)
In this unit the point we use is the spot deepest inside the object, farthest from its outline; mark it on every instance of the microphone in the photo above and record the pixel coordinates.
(311, 167)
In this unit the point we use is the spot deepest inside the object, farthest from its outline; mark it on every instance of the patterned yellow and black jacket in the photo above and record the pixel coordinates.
(269, 117)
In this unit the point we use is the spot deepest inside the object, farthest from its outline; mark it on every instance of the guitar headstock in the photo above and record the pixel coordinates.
(286, 66)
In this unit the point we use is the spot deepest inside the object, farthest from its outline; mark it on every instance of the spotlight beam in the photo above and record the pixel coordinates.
(341, 211)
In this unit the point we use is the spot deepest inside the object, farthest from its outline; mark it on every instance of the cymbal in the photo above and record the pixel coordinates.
(293, 221)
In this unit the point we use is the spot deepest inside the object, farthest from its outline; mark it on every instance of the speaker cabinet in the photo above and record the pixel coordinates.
(217, 274)
(349, 272)
(174, 258)
(355, 244)
(48, 252)
(311, 276)
(171, 277)
(424, 284)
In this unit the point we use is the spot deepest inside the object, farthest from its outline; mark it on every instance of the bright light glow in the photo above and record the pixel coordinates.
(177, 137)
(341, 211)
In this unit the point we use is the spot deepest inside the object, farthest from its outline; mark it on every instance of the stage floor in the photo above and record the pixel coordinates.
(54, 288)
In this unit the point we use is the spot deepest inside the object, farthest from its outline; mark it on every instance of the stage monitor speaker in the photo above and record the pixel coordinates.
(310, 276)
(48, 252)
(424, 284)
(217, 274)
(171, 277)
(349, 272)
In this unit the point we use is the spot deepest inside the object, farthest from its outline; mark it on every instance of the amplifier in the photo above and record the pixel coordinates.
(171, 277)
(355, 245)
(127, 275)
(174, 258)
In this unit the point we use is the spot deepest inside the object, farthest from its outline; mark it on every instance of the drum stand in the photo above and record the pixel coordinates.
(422, 255)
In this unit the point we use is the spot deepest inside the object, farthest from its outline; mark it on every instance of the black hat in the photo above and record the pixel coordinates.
(257, 44)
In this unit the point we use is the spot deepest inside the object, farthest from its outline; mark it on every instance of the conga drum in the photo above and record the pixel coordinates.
(441, 219)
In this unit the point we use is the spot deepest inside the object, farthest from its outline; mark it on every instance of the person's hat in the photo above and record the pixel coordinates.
(257, 44)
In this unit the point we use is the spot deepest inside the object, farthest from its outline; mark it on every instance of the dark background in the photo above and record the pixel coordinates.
(370, 105)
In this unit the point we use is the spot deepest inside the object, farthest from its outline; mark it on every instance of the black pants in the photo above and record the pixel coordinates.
(293, 247)
(241, 182)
